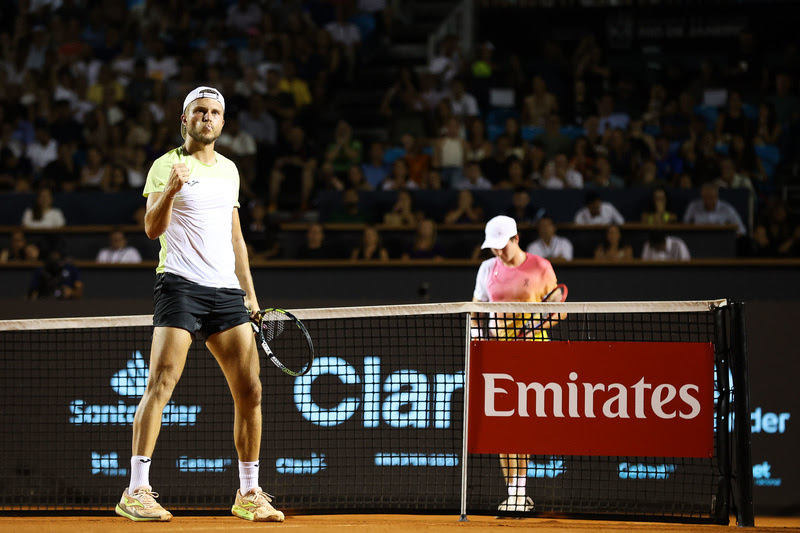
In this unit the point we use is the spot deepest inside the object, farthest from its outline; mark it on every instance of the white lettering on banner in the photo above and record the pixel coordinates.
(615, 404)
(409, 401)
(768, 422)
(644, 471)
(762, 476)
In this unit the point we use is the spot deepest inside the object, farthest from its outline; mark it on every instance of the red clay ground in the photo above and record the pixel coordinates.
(368, 524)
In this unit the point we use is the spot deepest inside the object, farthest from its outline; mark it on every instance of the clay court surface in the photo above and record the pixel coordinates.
(366, 523)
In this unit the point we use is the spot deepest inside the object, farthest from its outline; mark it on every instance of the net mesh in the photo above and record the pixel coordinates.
(376, 425)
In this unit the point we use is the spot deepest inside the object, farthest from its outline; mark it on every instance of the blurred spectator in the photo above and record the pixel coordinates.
(791, 246)
(350, 212)
(479, 147)
(243, 15)
(241, 148)
(402, 213)
(559, 175)
(403, 96)
(549, 245)
(426, 244)
(709, 209)
(58, 278)
(44, 149)
(518, 146)
(374, 168)
(658, 212)
(647, 176)
(465, 211)
(316, 245)
(293, 173)
(448, 62)
(345, 150)
(602, 177)
(580, 106)
(582, 158)
(759, 244)
(732, 120)
(786, 102)
(356, 180)
(19, 249)
(463, 104)
(296, 86)
(118, 250)
(516, 177)
(597, 212)
(261, 233)
(522, 210)
(258, 122)
(398, 179)
(474, 180)
(43, 214)
(613, 248)
(418, 163)
(495, 168)
(449, 154)
(609, 118)
(668, 161)
(371, 247)
(96, 172)
(553, 141)
(767, 129)
(730, 178)
(662, 247)
(539, 104)
(348, 36)
(277, 101)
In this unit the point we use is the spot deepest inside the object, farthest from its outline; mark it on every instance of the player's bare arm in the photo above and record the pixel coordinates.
(243, 265)
(159, 204)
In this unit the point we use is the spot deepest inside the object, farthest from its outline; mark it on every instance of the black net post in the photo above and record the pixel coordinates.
(741, 395)
(723, 416)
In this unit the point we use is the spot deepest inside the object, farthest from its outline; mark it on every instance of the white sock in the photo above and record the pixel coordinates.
(521, 482)
(248, 476)
(512, 486)
(140, 472)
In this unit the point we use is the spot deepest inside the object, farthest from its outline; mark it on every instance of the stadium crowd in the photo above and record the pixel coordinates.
(88, 93)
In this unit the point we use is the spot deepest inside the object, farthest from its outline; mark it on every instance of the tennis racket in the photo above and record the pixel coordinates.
(280, 332)
(559, 294)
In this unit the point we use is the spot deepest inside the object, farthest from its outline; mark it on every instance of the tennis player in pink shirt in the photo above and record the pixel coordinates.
(512, 275)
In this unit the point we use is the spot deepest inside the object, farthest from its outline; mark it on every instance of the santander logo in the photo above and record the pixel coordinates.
(575, 399)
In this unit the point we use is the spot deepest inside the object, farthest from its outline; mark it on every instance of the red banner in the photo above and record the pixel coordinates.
(650, 399)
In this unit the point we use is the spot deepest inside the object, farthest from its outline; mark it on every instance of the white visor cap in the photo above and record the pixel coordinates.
(498, 231)
(204, 92)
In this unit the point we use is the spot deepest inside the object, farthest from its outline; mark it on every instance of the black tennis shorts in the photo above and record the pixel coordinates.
(200, 310)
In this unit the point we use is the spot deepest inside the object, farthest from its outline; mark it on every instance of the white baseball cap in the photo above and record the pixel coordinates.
(203, 92)
(498, 231)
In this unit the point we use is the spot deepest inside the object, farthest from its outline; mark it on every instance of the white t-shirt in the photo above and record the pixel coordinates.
(676, 250)
(608, 215)
(129, 254)
(52, 218)
(559, 247)
(198, 242)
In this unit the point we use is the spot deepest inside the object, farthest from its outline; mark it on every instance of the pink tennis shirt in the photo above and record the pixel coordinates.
(529, 282)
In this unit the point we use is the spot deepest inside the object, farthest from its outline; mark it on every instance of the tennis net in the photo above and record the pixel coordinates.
(379, 423)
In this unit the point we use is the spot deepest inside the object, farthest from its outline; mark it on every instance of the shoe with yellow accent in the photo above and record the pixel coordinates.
(256, 505)
(142, 506)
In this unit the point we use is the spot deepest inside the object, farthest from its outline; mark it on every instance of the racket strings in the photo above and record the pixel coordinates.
(273, 324)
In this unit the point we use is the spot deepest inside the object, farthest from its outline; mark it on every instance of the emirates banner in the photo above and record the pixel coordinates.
(648, 399)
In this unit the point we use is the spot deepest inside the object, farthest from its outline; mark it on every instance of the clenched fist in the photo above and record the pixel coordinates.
(177, 177)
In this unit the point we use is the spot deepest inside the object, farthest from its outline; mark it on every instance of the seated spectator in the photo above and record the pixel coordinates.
(345, 150)
(375, 170)
(658, 212)
(350, 212)
(43, 214)
(583, 158)
(495, 168)
(348, 37)
(598, 212)
(44, 148)
(709, 209)
(549, 245)
(371, 247)
(425, 245)
(559, 175)
(57, 278)
(516, 177)
(398, 179)
(418, 162)
(63, 173)
(293, 173)
(767, 130)
(465, 212)
(539, 104)
(732, 121)
(647, 176)
(261, 233)
(759, 244)
(118, 250)
(474, 180)
(356, 180)
(316, 246)
(463, 104)
(479, 147)
(609, 118)
(19, 249)
(661, 247)
(522, 210)
(449, 154)
(96, 172)
(730, 178)
(403, 96)
(602, 177)
(518, 145)
(402, 212)
(552, 140)
(613, 248)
